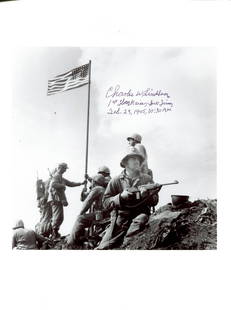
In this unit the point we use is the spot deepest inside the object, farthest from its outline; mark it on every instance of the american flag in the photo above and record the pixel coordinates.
(69, 80)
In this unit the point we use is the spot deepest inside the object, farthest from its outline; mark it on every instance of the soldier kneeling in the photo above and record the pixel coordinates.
(129, 205)
(94, 217)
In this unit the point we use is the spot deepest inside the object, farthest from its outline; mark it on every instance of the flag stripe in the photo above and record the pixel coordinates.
(63, 81)
(70, 84)
(58, 91)
(67, 84)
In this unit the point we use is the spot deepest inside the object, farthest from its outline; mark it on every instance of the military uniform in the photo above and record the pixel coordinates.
(25, 239)
(44, 226)
(127, 217)
(104, 171)
(94, 203)
(57, 198)
(142, 150)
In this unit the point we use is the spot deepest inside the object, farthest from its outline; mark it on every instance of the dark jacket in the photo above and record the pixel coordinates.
(112, 197)
(26, 239)
(57, 189)
(94, 200)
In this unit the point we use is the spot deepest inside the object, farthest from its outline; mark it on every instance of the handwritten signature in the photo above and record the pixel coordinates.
(137, 102)
(113, 92)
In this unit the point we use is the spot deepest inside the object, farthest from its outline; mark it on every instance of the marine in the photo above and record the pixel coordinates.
(93, 202)
(57, 198)
(129, 214)
(134, 140)
(26, 239)
(44, 226)
(102, 170)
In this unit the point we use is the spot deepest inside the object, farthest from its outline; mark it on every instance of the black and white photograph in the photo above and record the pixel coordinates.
(115, 157)
(115, 148)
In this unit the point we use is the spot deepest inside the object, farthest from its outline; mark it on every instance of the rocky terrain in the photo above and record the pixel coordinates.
(189, 226)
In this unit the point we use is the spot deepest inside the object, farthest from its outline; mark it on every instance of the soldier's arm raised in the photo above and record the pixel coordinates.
(72, 184)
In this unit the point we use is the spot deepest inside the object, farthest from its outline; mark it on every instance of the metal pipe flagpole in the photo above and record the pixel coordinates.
(88, 116)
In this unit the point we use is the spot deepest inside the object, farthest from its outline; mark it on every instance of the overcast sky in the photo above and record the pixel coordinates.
(181, 144)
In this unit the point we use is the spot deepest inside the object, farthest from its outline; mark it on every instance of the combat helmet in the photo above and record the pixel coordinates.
(18, 224)
(64, 165)
(136, 137)
(99, 179)
(104, 169)
(133, 152)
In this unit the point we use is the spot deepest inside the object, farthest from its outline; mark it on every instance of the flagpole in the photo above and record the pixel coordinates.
(88, 116)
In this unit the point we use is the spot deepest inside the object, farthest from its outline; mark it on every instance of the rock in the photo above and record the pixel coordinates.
(190, 226)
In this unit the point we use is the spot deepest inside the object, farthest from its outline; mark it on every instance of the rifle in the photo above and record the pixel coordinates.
(137, 190)
(50, 174)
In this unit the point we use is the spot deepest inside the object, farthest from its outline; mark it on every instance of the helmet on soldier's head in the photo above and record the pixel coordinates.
(18, 224)
(132, 153)
(99, 179)
(64, 165)
(135, 137)
(104, 169)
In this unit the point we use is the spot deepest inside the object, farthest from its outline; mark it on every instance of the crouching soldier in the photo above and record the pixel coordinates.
(104, 171)
(129, 202)
(93, 202)
(57, 198)
(26, 239)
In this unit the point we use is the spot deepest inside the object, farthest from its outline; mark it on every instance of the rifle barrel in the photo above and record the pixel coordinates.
(175, 182)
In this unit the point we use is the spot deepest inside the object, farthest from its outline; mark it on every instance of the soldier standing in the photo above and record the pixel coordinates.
(57, 198)
(44, 226)
(129, 214)
(135, 141)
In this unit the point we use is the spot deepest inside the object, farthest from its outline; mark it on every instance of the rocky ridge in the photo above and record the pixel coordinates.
(189, 226)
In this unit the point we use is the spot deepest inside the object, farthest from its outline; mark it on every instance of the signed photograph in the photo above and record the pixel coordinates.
(114, 148)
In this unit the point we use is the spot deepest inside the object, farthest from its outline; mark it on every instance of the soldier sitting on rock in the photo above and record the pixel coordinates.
(94, 217)
(129, 212)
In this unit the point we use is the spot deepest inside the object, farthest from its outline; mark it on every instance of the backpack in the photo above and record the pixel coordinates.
(40, 189)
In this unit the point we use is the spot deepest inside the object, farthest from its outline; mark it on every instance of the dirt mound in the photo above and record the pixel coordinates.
(190, 226)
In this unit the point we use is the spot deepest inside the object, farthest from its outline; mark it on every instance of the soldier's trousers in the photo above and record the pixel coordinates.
(122, 225)
(78, 230)
(57, 215)
(44, 226)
